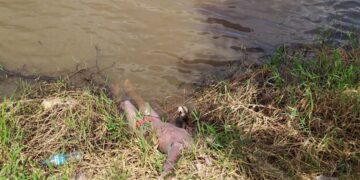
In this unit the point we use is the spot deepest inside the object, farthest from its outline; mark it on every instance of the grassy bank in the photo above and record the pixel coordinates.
(296, 117)
(52, 118)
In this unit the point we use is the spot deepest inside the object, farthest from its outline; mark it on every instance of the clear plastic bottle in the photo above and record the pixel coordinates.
(62, 158)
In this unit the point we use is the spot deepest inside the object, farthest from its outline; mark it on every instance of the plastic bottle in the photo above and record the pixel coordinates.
(62, 158)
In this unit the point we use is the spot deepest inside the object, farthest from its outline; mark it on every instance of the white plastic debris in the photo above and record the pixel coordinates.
(199, 167)
(208, 161)
(322, 177)
(53, 102)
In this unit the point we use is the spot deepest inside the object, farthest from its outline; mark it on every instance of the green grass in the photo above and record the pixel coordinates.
(329, 70)
(312, 81)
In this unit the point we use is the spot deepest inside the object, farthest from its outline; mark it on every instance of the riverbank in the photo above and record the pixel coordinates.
(295, 117)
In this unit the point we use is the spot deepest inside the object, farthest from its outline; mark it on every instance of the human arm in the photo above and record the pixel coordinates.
(174, 153)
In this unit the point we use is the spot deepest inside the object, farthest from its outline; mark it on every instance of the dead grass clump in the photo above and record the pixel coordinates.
(52, 118)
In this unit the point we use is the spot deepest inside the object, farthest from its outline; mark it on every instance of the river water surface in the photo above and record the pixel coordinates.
(160, 45)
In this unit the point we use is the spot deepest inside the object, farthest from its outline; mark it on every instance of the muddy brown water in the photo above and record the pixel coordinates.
(162, 46)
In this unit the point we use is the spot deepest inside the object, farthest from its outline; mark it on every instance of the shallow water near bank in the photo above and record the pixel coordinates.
(162, 46)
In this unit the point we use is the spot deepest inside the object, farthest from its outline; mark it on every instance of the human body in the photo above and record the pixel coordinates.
(172, 140)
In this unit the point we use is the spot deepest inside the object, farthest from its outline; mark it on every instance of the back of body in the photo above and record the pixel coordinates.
(172, 140)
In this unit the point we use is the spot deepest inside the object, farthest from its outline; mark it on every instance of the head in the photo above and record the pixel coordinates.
(182, 119)
(183, 111)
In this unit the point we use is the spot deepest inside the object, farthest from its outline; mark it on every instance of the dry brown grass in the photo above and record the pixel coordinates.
(294, 129)
(88, 121)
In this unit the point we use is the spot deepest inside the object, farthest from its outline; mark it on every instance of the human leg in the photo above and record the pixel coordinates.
(144, 107)
(130, 112)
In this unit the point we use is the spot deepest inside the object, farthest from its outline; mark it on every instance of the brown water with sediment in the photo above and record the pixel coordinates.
(160, 45)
